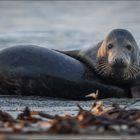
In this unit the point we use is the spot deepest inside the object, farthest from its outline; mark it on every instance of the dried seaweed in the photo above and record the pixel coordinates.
(98, 119)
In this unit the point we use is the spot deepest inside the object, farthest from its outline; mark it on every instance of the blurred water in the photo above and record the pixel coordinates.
(65, 24)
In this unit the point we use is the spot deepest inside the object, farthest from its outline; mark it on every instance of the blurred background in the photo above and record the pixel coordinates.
(65, 25)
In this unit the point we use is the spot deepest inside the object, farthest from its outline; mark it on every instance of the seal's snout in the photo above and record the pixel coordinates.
(118, 63)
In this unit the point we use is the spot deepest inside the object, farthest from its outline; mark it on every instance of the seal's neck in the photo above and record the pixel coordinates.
(89, 56)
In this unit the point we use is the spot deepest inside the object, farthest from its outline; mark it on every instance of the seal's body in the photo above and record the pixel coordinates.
(33, 70)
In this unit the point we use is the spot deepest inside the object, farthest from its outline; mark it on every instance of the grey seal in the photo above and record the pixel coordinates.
(34, 70)
(116, 59)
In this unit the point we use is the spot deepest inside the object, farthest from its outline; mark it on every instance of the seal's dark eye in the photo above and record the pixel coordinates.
(129, 47)
(110, 46)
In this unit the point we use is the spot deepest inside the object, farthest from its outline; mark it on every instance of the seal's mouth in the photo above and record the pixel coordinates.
(119, 67)
(118, 73)
(124, 74)
(118, 70)
(118, 64)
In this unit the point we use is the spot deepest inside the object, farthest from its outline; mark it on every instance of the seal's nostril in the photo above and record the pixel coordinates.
(116, 61)
(119, 61)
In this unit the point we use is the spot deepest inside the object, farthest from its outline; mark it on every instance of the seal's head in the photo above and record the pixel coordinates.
(118, 57)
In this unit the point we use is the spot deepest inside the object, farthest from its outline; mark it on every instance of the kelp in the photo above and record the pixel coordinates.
(98, 119)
